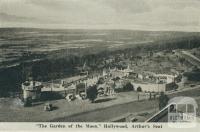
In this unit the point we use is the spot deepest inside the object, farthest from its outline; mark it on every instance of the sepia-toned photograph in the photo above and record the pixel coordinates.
(107, 61)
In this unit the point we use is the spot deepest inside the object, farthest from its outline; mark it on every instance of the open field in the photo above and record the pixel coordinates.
(39, 43)
(63, 108)
(84, 110)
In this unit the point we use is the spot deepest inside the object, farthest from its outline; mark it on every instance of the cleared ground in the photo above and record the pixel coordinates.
(78, 110)
(11, 110)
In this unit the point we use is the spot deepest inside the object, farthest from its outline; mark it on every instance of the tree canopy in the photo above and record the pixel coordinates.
(92, 93)
(163, 100)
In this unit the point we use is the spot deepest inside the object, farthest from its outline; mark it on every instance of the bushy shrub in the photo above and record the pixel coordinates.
(128, 87)
(139, 89)
(92, 93)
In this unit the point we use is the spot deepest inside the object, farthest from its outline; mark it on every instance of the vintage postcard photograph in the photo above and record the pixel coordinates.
(100, 64)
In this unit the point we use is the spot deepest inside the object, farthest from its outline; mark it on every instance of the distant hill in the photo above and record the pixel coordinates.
(18, 43)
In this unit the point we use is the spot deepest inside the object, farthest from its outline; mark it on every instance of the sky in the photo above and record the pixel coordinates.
(173, 15)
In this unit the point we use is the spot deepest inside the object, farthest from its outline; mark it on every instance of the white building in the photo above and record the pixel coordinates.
(165, 78)
(31, 89)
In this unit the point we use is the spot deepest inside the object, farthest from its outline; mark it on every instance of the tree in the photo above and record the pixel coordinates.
(101, 80)
(163, 100)
(128, 87)
(195, 69)
(150, 96)
(92, 93)
(28, 102)
(139, 89)
(80, 87)
(116, 79)
(182, 60)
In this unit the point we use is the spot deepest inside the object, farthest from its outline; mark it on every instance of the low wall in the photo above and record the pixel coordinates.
(150, 87)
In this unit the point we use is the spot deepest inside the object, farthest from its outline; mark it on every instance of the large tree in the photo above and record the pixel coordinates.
(101, 80)
(163, 100)
(92, 93)
(128, 87)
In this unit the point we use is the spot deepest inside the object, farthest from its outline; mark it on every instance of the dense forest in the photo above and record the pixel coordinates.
(61, 66)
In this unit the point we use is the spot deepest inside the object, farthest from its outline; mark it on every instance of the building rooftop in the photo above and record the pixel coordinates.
(31, 85)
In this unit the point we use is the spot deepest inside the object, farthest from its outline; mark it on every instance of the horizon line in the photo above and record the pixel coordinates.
(149, 30)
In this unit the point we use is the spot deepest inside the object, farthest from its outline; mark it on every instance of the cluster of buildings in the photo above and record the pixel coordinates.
(31, 90)
(152, 82)
(112, 79)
